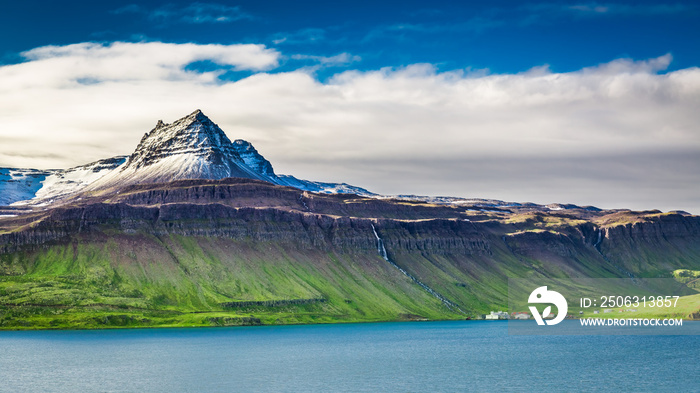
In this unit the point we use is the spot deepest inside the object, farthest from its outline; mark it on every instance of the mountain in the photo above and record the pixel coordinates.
(167, 237)
(192, 147)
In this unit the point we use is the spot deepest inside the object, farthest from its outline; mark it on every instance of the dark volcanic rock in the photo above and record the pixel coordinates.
(528, 243)
(658, 229)
(438, 236)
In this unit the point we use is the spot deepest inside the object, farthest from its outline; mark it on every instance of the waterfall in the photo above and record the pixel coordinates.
(301, 200)
(600, 239)
(382, 252)
(380, 245)
(620, 269)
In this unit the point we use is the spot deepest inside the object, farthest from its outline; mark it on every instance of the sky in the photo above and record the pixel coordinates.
(592, 103)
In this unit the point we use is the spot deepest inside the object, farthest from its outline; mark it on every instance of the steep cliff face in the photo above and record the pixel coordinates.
(250, 193)
(539, 242)
(259, 211)
(293, 227)
(656, 245)
(437, 236)
(655, 229)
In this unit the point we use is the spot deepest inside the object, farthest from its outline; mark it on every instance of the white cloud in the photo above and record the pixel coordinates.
(71, 66)
(136, 56)
(406, 130)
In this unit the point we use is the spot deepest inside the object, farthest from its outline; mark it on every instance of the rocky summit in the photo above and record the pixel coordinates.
(192, 229)
(193, 147)
(193, 137)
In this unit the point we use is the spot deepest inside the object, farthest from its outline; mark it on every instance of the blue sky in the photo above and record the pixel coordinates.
(573, 102)
(502, 36)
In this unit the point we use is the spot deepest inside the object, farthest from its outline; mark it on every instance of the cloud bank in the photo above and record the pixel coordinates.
(620, 134)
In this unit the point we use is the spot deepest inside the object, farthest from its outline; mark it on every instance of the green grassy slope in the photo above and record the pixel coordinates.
(143, 280)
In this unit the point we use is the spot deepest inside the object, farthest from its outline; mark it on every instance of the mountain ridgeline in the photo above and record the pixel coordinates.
(193, 147)
(195, 230)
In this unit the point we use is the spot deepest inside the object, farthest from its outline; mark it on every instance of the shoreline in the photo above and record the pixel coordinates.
(76, 329)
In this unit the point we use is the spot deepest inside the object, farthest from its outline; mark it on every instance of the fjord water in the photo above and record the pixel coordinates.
(397, 357)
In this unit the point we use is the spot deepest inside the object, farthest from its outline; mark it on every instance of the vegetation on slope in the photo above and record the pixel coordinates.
(143, 280)
(241, 252)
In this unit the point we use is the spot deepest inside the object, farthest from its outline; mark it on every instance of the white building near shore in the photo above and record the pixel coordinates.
(497, 315)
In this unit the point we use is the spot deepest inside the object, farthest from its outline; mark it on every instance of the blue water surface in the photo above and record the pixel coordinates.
(396, 357)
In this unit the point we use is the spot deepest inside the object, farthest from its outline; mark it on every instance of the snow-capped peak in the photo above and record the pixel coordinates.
(193, 134)
(193, 147)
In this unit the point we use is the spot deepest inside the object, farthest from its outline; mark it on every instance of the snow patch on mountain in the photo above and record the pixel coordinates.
(74, 180)
(58, 183)
(324, 188)
(20, 184)
(569, 206)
